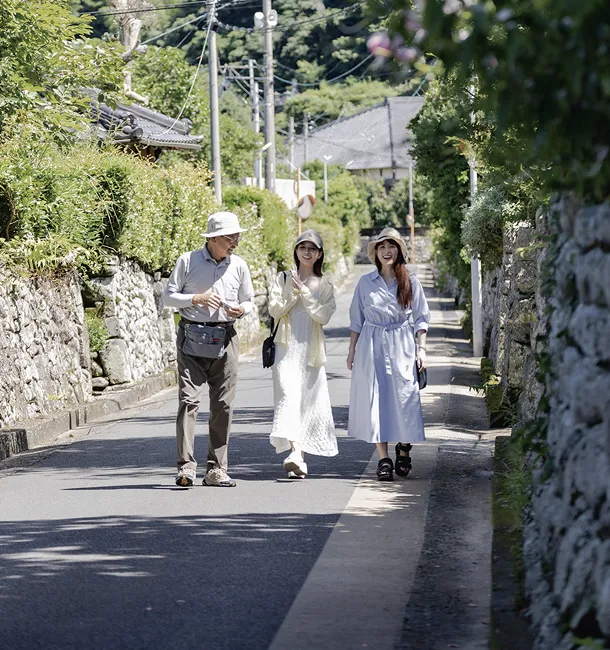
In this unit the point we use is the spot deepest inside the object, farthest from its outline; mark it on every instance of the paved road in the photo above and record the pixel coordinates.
(98, 548)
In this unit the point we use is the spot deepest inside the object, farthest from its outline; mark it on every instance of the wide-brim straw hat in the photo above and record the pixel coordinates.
(223, 223)
(386, 233)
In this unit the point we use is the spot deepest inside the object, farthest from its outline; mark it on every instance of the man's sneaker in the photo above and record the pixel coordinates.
(186, 477)
(218, 477)
(295, 476)
(295, 463)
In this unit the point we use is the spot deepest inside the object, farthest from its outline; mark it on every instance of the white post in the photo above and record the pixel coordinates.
(475, 281)
(325, 182)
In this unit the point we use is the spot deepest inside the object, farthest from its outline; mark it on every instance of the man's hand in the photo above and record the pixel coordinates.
(207, 299)
(234, 312)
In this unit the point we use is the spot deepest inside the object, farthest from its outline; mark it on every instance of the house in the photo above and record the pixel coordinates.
(374, 142)
(143, 129)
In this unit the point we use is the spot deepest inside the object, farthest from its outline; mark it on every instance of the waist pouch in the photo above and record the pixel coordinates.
(207, 341)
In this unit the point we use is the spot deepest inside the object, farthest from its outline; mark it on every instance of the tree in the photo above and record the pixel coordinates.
(164, 75)
(45, 62)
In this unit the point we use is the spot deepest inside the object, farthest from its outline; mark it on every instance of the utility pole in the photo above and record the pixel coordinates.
(305, 136)
(326, 159)
(291, 141)
(270, 19)
(411, 212)
(475, 263)
(214, 110)
(256, 120)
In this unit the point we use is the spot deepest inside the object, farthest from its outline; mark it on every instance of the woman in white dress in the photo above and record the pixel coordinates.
(302, 300)
(389, 319)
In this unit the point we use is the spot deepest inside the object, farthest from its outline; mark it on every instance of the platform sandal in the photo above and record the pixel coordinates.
(385, 470)
(403, 463)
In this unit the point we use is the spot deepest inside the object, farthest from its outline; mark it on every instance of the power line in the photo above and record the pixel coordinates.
(196, 74)
(181, 5)
(173, 29)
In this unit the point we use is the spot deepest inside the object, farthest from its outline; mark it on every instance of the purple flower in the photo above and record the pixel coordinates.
(407, 54)
(451, 7)
(379, 45)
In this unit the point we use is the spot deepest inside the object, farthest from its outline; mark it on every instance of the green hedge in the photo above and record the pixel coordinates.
(100, 201)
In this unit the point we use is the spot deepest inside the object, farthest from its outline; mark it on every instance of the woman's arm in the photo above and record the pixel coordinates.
(353, 339)
(422, 361)
(421, 319)
(283, 297)
(322, 309)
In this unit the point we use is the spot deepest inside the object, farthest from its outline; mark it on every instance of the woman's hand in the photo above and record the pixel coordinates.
(296, 280)
(422, 362)
(350, 359)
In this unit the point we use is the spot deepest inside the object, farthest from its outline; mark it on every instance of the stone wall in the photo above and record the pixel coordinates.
(567, 532)
(44, 349)
(141, 332)
(510, 320)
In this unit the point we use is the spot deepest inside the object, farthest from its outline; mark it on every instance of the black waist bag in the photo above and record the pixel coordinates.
(206, 341)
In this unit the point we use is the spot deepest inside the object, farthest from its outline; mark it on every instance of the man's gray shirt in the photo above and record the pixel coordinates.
(198, 272)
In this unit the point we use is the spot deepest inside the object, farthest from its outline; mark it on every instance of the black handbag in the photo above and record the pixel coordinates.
(269, 342)
(269, 347)
(422, 376)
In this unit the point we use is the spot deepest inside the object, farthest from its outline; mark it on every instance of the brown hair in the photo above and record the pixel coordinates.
(317, 267)
(404, 294)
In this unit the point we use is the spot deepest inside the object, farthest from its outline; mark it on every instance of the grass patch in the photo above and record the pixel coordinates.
(98, 334)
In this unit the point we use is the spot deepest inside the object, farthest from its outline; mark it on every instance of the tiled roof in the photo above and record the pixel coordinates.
(375, 138)
(138, 125)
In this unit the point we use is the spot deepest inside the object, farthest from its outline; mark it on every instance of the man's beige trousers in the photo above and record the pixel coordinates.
(221, 377)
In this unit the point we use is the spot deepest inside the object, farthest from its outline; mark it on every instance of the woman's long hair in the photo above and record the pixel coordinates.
(317, 267)
(404, 294)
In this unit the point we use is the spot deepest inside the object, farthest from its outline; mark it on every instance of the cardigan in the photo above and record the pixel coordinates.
(284, 295)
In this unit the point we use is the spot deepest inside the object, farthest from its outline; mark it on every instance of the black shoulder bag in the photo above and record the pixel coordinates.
(269, 342)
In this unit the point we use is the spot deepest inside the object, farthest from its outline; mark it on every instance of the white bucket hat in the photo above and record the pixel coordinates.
(386, 233)
(223, 223)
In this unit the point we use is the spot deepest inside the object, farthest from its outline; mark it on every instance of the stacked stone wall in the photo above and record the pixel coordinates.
(567, 533)
(141, 331)
(44, 347)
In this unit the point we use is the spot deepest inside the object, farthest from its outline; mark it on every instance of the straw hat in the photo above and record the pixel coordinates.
(223, 223)
(386, 233)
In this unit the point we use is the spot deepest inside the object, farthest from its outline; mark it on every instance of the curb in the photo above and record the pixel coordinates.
(508, 629)
(40, 432)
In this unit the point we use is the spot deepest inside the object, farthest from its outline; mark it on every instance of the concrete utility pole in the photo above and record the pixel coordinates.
(269, 18)
(326, 159)
(256, 120)
(214, 110)
(411, 212)
(305, 136)
(291, 141)
(475, 265)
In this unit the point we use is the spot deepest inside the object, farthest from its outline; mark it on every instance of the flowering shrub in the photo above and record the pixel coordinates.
(542, 70)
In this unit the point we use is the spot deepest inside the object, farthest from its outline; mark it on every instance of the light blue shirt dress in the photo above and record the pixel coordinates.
(384, 401)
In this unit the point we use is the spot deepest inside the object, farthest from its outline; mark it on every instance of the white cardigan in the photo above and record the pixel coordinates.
(284, 295)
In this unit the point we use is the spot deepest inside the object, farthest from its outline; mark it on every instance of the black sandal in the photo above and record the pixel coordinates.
(385, 470)
(403, 463)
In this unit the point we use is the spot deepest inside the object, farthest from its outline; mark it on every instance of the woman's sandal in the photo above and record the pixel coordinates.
(403, 462)
(385, 470)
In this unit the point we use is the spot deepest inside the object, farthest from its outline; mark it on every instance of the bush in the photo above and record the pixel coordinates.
(380, 208)
(98, 334)
(279, 224)
(101, 201)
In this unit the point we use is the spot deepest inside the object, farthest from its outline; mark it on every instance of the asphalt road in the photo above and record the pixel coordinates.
(99, 549)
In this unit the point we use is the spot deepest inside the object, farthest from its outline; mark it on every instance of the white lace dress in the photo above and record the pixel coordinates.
(302, 403)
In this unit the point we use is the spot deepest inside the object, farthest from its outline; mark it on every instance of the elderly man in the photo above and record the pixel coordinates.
(210, 287)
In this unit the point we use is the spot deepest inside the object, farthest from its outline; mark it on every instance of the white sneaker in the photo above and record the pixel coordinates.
(295, 476)
(295, 463)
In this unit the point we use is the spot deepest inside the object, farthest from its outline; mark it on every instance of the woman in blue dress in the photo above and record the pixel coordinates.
(389, 319)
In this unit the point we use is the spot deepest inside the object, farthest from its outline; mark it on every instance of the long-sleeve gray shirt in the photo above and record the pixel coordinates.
(198, 272)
